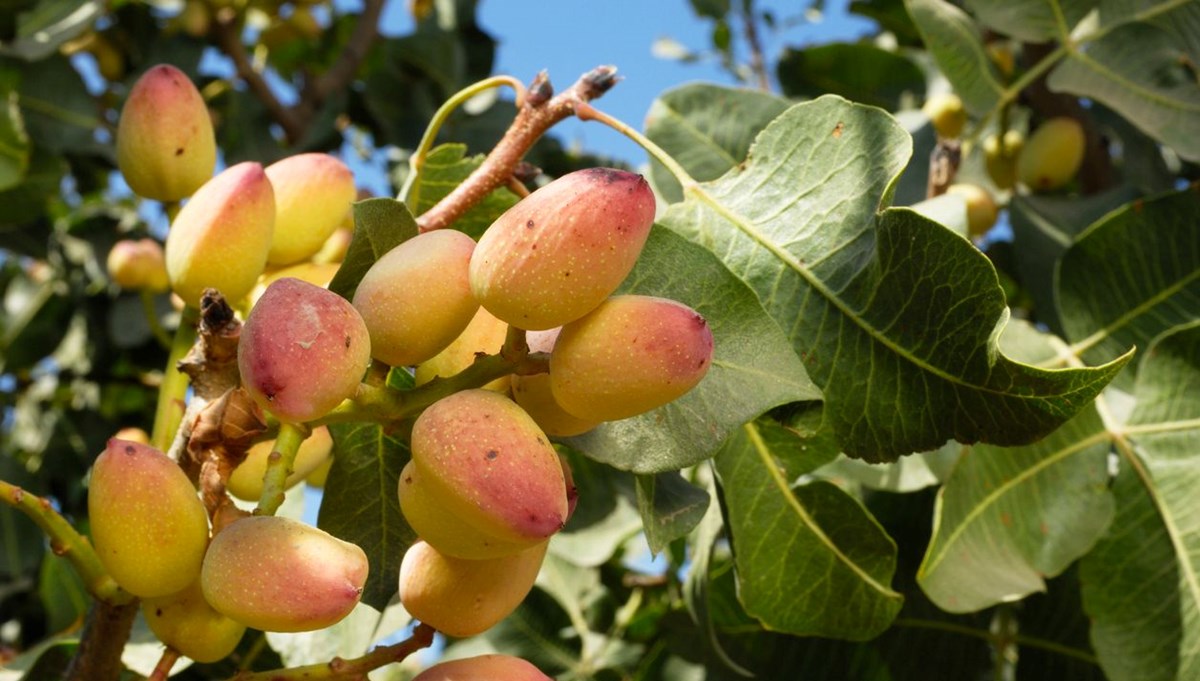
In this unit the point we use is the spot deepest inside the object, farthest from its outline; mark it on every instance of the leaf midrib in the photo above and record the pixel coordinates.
(747, 228)
(785, 490)
(1002, 490)
(1137, 311)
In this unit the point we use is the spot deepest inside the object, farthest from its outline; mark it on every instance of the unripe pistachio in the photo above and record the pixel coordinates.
(319, 475)
(465, 597)
(221, 236)
(317, 275)
(483, 481)
(632, 354)
(416, 299)
(1001, 54)
(333, 251)
(138, 265)
(536, 397)
(483, 668)
(187, 623)
(1001, 161)
(147, 522)
(246, 481)
(485, 334)
(981, 208)
(947, 114)
(133, 434)
(166, 147)
(313, 193)
(1052, 154)
(278, 574)
(302, 351)
(562, 250)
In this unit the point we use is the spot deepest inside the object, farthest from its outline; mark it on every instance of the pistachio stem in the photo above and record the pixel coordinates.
(173, 390)
(355, 668)
(280, 464)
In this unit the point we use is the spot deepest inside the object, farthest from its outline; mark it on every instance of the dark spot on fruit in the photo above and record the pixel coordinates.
(699, 364)
(158, 612)
(533, 517)
(179, 151)
(534, 247)
(540, 441)
(492, 454)
(529, 224)
(130, 450)
(700, 321)
(567, 273)
(347, 341)
(408, 480)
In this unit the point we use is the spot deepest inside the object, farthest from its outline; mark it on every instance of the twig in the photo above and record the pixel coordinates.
(105, 633)
(538, 113)
(757, 64)
(343, 70)
(67, 543)
(162, 670)
(943, 167)
(227, 31)
(356, 668)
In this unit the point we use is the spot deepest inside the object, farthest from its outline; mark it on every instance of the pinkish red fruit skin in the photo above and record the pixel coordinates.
(487, 464)
(662, 349)
(277, 574)
(166, 147)
(302, 351)
(483, 668)
(563, 249)
(221, 236)
(147, 522)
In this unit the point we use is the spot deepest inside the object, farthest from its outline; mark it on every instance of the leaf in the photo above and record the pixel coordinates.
(361, 505)
(753, 369)
(1139, 69)
(954, 42)
(1145, 259)
(63, 595)
(860, 72)
(60, 115)
(707, 129)
(895, 316)
(14, 143)
(801, 550)
(1032, 21)
(42, 30)
(1043, 228)
(446, 167)
(379, 226)
(604, 518)
(348, 638)
(670, 507)
(1141, 585)
(1008, 518)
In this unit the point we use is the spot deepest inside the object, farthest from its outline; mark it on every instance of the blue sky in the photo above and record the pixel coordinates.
(569, 37)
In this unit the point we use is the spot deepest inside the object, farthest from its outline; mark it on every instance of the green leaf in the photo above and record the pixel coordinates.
(14, 143)
(1032, 21)
(25, 204)
(43, 29)
(361, 505)
(1043, 228)
(670, 507)
(891, 16)
(1141, 585)
(63, 594)
(707, 129)
(753, 369)
(604, 519)
(1008, 518)
(59, 113)
(350, 637)
(710, 9)
(858, 71)
(895, 316)
(446, 167)
(799, 550)
(954, 40)
(1131, 276)
(379, 226)
(1140, 70)
(36, 317)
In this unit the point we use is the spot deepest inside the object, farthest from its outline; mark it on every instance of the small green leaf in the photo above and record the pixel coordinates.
(895, 316)
(753, 369)
(1141, 584)
(670, 507)
(379, 226)
(1132, 276)
(954, 40)
(361, 504)
(446, 167)
(800, 549)
(707, 129)
(860, 72)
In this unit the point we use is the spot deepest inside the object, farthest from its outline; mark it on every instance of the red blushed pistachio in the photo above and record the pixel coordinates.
(313, 193)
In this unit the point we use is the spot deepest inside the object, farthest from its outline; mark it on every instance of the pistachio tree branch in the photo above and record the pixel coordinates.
(227, 30)
(356, 668)
(67, 543)
(105, 633)
(540, 110)
(338, 76)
